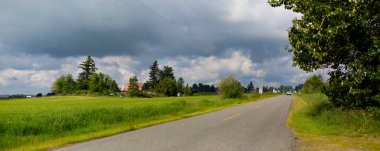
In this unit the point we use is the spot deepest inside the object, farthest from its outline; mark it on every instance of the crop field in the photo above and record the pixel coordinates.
(49, 122)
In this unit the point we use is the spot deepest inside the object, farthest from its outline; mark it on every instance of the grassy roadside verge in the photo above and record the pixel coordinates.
(48, 123)
(319, 126)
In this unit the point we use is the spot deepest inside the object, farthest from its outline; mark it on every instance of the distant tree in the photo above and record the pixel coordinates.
(187, 90)
(212, 89)
(145, 86)
(88, 68)
(166, 72)
(153, 75)
(64, 85)
(231, 88)
(102, 84)
(298, 88)
(313, 84)
(58, 85)
(167, 87)
(180, 84)
(133, 88)
(195, 88)
(201, 87)
(39, 95)
(111, 85)
(250, 87)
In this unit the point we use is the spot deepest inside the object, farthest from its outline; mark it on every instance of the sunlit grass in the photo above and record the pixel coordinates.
(323, 127)
(44, 123)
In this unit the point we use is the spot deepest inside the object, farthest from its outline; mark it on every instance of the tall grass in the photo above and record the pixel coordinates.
(36, 121)
(313, 114)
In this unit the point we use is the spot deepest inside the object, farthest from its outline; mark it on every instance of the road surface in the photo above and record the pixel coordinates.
(254, 126)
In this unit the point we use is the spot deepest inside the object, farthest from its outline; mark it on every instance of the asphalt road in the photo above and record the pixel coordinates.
(254, 126)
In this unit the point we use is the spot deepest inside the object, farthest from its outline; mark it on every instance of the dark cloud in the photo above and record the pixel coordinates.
(157, 28)
(40, 36)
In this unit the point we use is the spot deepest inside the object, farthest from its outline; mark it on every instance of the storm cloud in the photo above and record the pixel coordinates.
(40, 40)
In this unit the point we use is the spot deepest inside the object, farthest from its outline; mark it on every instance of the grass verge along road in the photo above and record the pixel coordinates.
(50, 122)
(319, 126)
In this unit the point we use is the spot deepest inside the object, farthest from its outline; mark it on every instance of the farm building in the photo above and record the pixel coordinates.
(125, 87)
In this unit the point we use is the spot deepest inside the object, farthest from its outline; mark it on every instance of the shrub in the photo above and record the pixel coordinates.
(231, 88)
(313, 84)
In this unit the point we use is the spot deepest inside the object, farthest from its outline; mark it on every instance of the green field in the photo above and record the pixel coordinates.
(320, 126)
(49, 122)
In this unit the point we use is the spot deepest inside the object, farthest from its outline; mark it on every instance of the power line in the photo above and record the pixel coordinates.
(168, 21)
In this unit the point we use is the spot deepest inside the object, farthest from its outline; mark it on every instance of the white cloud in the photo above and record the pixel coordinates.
(211, 69)
(267, 21)
(39, 78)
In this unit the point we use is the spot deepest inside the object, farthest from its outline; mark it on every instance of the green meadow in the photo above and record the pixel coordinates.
(50, 122)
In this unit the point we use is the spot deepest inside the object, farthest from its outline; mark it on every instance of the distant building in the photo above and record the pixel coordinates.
(125, 87)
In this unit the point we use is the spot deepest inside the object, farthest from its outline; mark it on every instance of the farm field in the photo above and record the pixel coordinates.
(319, 126)
(50, 122)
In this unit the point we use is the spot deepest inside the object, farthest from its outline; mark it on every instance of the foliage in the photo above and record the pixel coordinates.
(180, 83)
(285, 88)
(166, 72)
(39, 95)
(167, 87)
(153, 76)
(342, 35)
(250, 87)
(88, 82)
(64, 85)
(102, 84)
(313, 84)
(187, 90)
(133, 88)
(298, 87)
(88, 68)
(231, 88)
(199, 88)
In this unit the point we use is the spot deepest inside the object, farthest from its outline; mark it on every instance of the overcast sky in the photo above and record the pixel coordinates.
(204, 40)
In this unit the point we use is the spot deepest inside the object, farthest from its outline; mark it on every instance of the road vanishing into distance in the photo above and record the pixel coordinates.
(254, 126)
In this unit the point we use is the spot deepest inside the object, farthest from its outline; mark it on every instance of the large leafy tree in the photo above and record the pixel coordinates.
(167, 87)
(64, 85)
(343, 36)
(88, 68)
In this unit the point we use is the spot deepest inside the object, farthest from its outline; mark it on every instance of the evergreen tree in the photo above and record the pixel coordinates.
(250, 87)
(88, 68)
(187, 90)
(153, 75)
(166, 72)
(180, 83)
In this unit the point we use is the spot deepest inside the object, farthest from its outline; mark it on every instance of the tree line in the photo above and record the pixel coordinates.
(88, 81)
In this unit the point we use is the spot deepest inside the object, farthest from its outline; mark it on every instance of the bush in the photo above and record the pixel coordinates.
(231, 88)
(313, 84)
